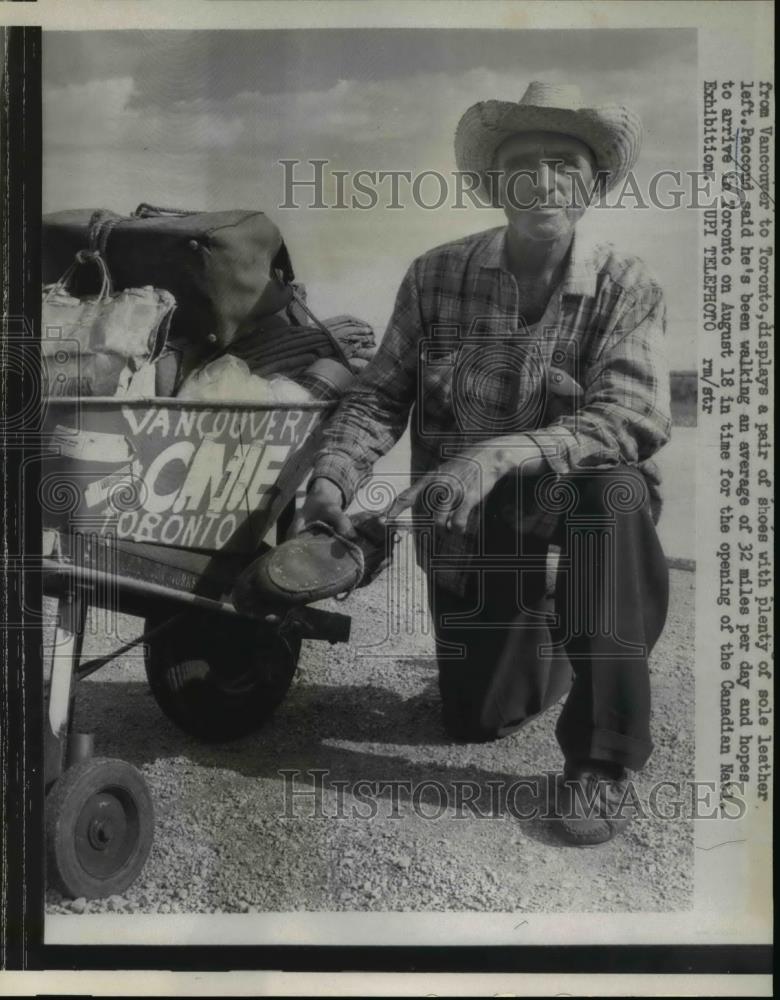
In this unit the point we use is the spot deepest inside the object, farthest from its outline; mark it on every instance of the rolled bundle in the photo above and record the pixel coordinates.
(356, 337)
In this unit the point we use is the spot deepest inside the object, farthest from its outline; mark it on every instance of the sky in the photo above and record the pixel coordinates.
(201, 119)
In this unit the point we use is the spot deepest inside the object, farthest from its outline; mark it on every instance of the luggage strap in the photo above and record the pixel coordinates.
(321, 326)
(85, 257)
(102, 222)
(100, 225)
(144, 210)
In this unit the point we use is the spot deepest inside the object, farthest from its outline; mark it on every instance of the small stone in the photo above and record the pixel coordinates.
(243, 906)
(78, 905)
(116, 903)
(404, 861)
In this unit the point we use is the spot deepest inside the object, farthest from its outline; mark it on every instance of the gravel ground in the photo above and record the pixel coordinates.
(223, 842)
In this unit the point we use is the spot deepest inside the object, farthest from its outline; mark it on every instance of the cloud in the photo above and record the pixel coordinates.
(178, 65)
(207, 127)
(87, 115)
(405, 123)
(351, 95)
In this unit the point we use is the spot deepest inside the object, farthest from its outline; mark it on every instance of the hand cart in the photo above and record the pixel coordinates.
(151, 507)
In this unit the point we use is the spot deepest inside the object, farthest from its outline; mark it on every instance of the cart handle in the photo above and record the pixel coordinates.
(92, 666)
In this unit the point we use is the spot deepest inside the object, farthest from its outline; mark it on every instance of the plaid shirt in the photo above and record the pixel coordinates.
(458, 355)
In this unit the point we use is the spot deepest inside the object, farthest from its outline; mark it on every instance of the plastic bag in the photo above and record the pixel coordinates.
(228, 379)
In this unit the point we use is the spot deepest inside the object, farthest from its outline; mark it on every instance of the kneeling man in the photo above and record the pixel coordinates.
(533, 363)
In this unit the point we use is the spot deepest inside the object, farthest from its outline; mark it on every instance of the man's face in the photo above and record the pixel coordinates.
(543, 182)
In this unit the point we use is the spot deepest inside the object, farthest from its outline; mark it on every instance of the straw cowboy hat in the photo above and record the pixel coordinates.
(613, 132)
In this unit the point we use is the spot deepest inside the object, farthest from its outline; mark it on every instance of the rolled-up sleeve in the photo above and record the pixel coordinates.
(373, 414)
(625, 417)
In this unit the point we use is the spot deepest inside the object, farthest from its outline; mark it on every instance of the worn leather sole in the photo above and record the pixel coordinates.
(316, 564)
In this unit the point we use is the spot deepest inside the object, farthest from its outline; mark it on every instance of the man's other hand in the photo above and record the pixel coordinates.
(459, 485)
(324, 502)
(452, 490)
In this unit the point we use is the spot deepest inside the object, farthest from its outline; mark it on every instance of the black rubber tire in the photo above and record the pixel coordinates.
(99, 828)
(219, 678)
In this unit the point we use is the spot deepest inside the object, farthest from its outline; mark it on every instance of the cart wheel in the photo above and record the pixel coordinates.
(99, 827)
(220, 678)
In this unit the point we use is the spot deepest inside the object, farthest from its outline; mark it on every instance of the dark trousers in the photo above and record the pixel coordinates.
(506, 651)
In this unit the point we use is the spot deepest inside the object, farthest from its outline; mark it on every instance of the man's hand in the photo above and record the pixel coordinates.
(324, 502)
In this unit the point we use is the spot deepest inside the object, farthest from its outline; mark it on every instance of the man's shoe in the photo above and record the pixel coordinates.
(590, 804)
(317, 563)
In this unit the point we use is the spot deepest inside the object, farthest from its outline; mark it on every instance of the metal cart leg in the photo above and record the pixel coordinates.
(99, 811)
(66, 653)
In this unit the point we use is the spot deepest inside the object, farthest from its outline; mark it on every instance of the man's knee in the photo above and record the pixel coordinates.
(620, 490)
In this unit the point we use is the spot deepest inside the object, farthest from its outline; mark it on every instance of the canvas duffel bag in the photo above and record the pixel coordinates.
(225, 269)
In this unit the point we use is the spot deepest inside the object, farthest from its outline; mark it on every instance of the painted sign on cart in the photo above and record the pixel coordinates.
(176, 474)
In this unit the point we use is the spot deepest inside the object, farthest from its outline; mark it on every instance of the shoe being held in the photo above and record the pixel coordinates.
(319, 562)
